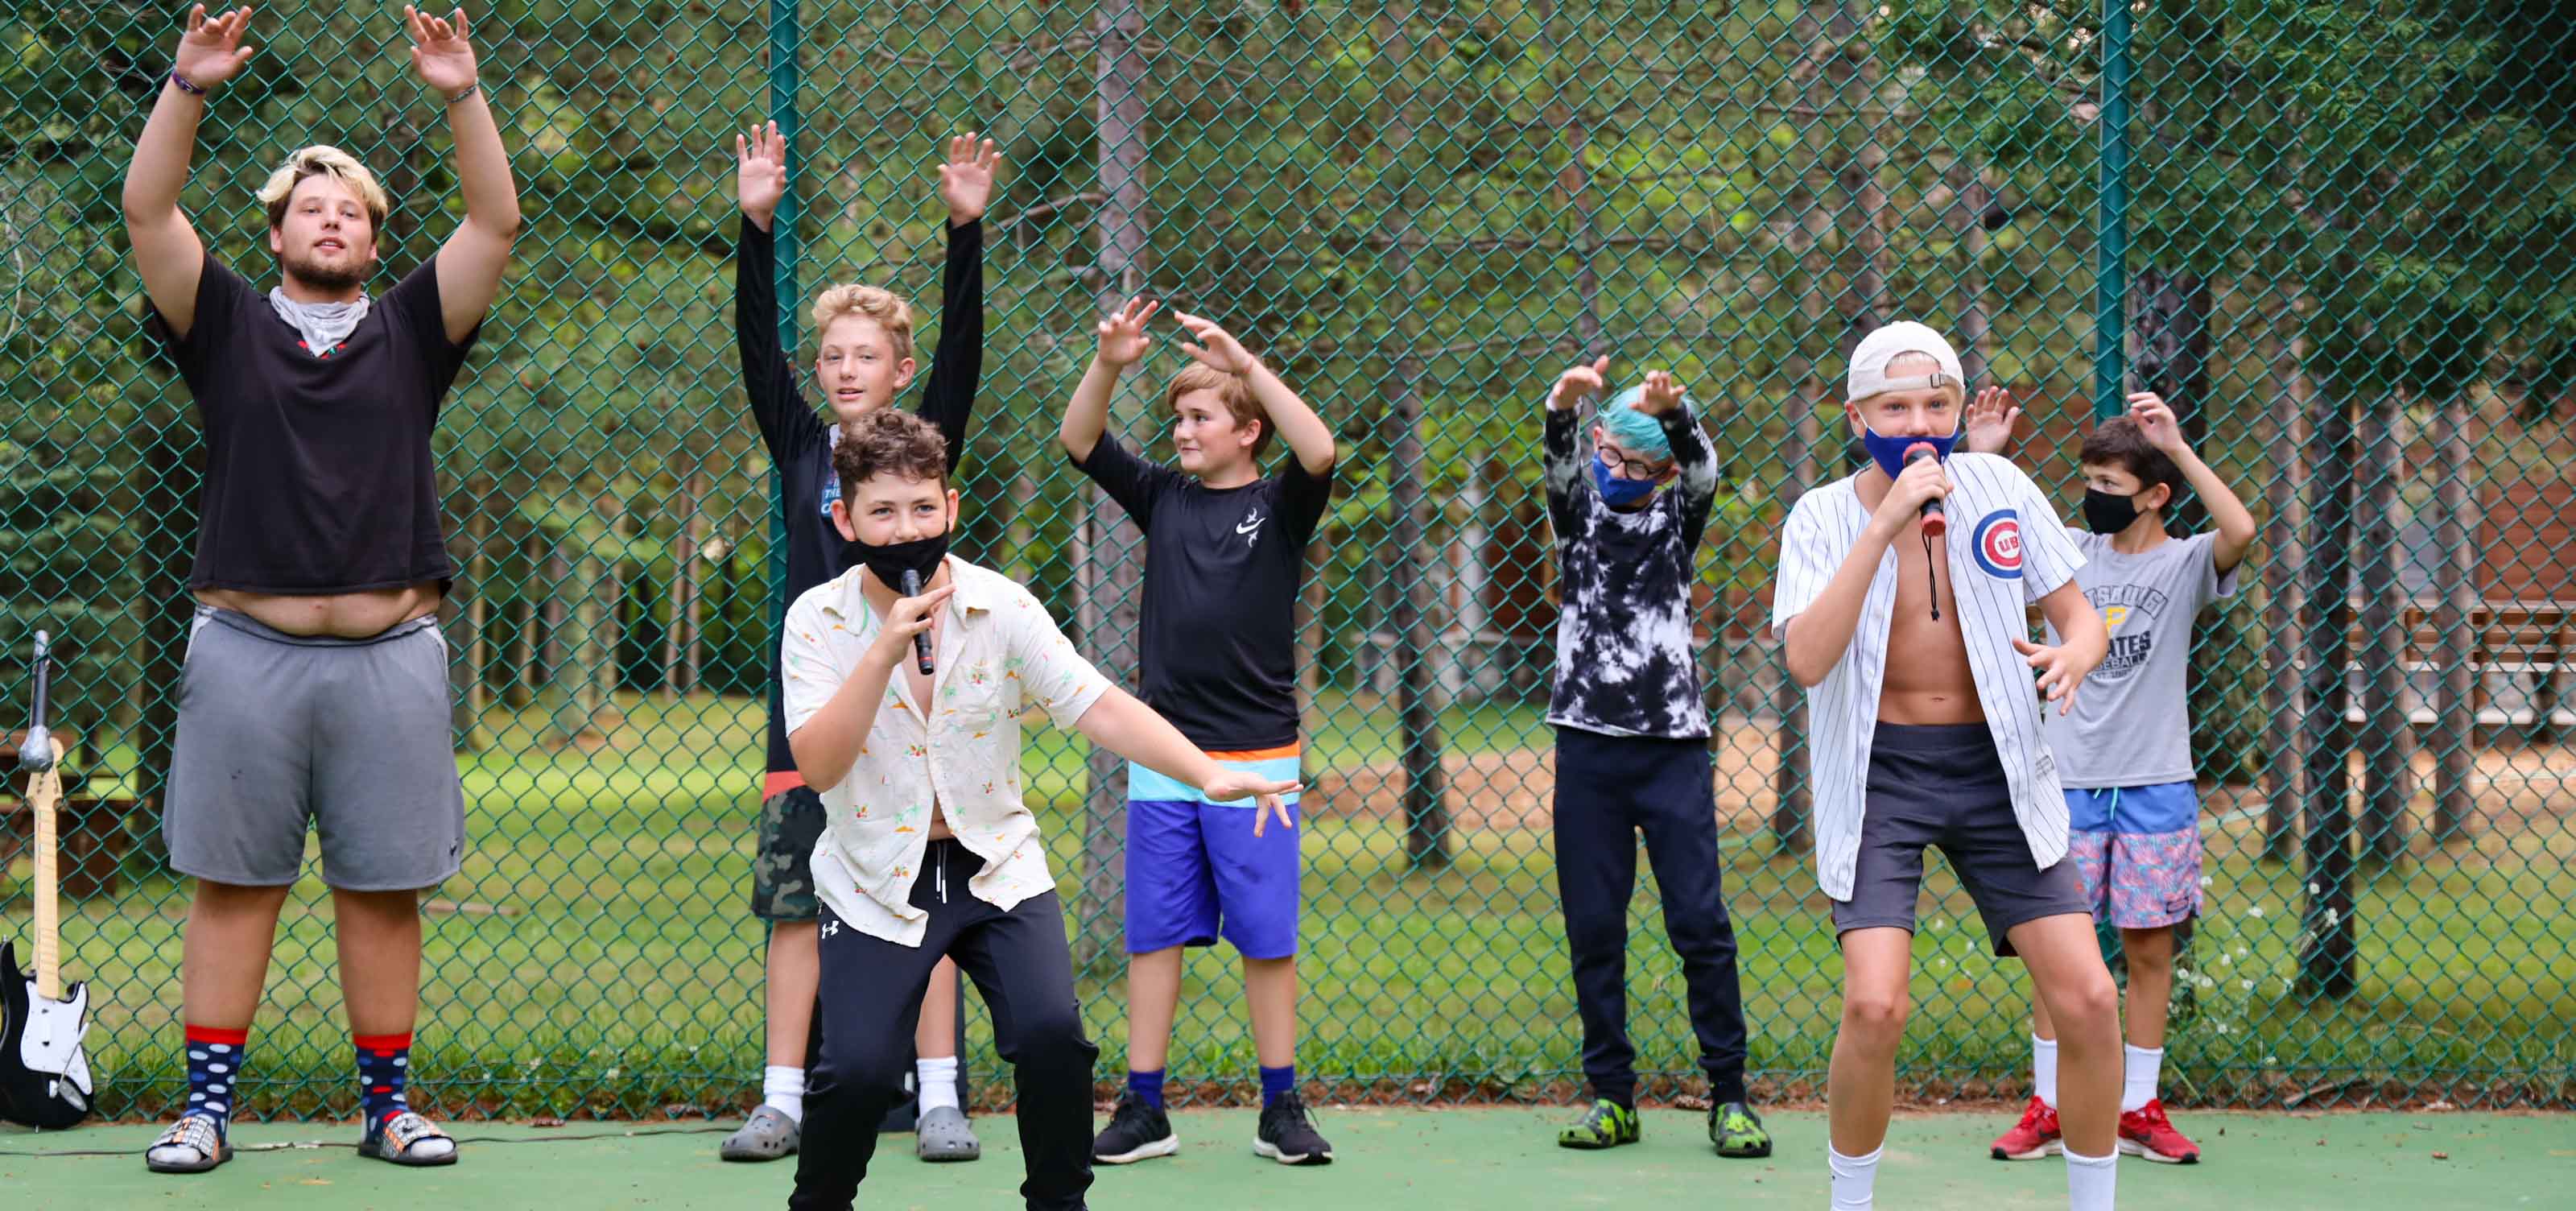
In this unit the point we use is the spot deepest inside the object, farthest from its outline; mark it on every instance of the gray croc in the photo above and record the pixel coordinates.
(944, 1135)
(768, 1136)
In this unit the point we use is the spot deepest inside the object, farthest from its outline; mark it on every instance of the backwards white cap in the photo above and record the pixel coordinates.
(1887, 343)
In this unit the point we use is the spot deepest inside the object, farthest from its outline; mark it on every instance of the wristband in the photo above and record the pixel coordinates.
(184, 86)
(465, 93)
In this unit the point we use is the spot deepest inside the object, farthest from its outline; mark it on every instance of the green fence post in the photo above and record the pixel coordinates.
(785, 31)
(2111, 281)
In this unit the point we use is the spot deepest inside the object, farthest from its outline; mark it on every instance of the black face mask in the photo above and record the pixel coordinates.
(888, 563)
(2105, 513)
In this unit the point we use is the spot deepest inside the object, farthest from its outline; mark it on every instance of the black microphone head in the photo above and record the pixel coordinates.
(911, 583)
(1918, 454)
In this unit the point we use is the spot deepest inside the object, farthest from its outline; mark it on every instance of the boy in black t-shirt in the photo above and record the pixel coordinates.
(863, 360)
(1226, 550)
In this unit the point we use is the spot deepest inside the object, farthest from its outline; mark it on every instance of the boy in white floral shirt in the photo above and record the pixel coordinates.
(930, 848)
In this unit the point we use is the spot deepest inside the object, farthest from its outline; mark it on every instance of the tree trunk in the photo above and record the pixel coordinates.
(478, 612)
(1426, 811)
(678, 639)
(1831, 77)
(695, 646)
(525, 672)
(2285, 604)
(1105, 570)
(2385, 735)
(2455, 726)
(2327, 960)
(169, 609)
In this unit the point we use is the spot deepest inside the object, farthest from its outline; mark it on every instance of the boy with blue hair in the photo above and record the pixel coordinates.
(1632, 740)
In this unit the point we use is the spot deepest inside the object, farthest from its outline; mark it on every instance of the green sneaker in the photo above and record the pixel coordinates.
(1737, 1131)
(1607, 1125)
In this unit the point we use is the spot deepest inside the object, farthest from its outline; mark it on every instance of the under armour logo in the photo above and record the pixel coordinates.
(1250, 526)
(830, 928)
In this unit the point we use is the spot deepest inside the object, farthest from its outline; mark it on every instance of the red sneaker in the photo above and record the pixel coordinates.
(2034, 1136)
(2146, 1132)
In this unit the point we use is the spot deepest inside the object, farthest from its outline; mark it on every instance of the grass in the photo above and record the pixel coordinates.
(605, 961)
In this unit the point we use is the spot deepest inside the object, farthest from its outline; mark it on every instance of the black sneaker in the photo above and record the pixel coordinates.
(1288, 1136)
(1136, 1132)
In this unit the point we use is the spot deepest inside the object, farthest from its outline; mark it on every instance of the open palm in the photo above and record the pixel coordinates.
(211, 51)
(966, 180)
(1122, 333)
(760, 171)
(440, 54)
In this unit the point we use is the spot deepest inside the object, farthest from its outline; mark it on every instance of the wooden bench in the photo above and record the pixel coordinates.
(2519, 659)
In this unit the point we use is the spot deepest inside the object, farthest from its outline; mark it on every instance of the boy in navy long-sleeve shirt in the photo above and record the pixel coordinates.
(863, 360)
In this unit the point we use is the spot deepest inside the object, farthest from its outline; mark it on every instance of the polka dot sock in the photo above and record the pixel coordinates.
(214, 1067)
(384, 1060)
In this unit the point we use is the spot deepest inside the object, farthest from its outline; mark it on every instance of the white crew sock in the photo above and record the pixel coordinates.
(2145, 1066)
(2043, 1069)
(784, 1087)
(938, 1082)
(2091, 1181)
(1854, 1176)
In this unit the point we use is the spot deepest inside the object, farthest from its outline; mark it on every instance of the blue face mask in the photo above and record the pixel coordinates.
(1616, 492)
(1889, 452)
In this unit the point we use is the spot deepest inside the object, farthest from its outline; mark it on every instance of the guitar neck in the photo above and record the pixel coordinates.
(43, 791)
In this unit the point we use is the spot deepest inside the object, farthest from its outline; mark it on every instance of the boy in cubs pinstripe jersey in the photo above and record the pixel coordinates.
(1913, 643)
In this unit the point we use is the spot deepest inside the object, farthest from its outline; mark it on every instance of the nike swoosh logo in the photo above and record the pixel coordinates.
(1248, 527)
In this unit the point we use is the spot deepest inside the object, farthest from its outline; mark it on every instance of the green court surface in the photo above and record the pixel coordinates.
(1399, 1160)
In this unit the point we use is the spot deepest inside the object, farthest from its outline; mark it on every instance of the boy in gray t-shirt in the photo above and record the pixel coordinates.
(2124, 753)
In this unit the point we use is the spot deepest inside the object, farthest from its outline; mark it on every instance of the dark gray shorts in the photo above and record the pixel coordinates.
(350, 735)
(1942, 785)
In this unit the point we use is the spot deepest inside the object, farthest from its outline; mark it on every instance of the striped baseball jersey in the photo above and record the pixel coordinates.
(2004, 550)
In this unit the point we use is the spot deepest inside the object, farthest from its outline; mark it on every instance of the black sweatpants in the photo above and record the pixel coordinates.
(871, 998)
(1608, 789)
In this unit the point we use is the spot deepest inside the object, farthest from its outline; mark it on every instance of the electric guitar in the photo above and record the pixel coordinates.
(44, 1075)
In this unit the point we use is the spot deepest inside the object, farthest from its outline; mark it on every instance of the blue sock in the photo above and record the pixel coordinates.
(1276, 1081)
(384, 1063)
(1147, 1086)
(214, 1068)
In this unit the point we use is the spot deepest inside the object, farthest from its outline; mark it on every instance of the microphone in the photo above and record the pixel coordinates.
(920, 639)
(1934, 524)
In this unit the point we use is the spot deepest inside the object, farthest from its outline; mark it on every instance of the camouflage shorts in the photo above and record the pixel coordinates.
(782, 860)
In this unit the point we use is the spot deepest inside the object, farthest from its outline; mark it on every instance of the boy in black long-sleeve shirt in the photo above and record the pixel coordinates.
(863, 361)
(1632, 739)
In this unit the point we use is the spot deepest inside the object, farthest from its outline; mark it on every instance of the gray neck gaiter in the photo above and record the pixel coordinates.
(322, 325)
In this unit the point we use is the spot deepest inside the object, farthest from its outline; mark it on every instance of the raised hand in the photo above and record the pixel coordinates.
(1122, 333)
(210, 52)
(760, 172)
(966, 180)
(1216, 348)
(440, 53)
(2156, 420)
(2060, 672)
(1663, 393)
(1990, 420)
(1230, 785)
(1578, 384)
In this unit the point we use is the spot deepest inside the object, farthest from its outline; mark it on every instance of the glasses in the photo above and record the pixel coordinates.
(1630, 468)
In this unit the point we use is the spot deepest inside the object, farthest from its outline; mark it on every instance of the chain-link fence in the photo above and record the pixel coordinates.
(2343, 252)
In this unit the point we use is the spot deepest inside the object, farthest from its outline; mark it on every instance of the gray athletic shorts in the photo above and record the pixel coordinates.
(351, 735)
(1943, 785)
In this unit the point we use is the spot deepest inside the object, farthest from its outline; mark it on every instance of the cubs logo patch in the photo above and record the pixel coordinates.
(1998, 544)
